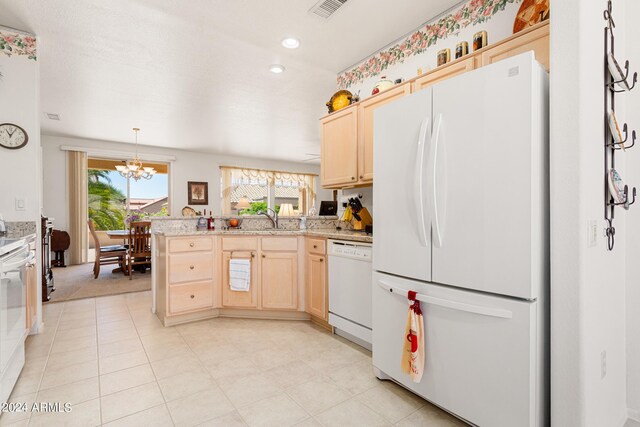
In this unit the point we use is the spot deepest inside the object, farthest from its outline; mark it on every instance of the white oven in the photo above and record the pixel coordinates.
(13, 273)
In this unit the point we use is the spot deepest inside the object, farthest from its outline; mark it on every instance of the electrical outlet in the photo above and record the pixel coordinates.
(603, 364)
(592, 233)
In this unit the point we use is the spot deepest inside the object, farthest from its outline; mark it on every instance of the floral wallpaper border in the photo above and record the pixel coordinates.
(15, 43)
(471, 13)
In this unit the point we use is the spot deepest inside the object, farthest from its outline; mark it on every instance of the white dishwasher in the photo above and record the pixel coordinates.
(350, 283)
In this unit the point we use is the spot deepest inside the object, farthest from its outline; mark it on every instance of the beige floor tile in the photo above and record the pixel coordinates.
(34, 366)
(119, 347)
(176, 365)
(87, 331)
(126, 378)
(158, 416)
(68, 374)
(73, 344)
(162, 351)
(73, 393)
(278, 410)
(122, 361)
(37, 351)
(231, 368)
(27, 383)
(317, 395)
(249, 388)
(117, 335)
(198, 408)
(335, 358)
(352, 413)
(292, 374)
(185, 384)
(114, 316)
(309, 422)
(64, 325)
(391, 401)
(356, 378)
(217, 352)
(86, 414)
(430, 415)
(272, 357)
(61, 360)
(232, 419)
(130, 401)
(115, 326)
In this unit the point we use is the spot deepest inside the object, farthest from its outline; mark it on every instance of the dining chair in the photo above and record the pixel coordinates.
(139, 245)
(105, 255)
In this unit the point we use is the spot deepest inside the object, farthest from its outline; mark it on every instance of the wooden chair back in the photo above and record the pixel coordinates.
(140, 239)
(96, 239)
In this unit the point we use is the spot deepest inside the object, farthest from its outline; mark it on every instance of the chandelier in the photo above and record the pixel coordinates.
(133, 168)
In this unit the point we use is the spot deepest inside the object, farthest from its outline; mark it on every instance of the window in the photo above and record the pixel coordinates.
(266, 189)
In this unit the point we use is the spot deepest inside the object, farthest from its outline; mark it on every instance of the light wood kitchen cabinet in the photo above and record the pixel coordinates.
(443, 73)
(279, 280)
(536, 40)
(317, 297)
(239, 299)
(190, 297)
(339, 149)
(32, 296)
(365, 129)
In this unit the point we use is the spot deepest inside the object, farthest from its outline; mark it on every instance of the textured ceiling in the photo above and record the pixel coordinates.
(194, 74)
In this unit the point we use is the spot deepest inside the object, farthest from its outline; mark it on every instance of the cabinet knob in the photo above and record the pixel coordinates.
(193, 296)
(321, 259)
(253, 255)
(264, 256)
(315, 246)
(192, 244)
(361, 176)
(191, 267)
(353, 178)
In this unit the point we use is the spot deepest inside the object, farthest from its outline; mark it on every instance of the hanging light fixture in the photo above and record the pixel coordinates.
(133, 168)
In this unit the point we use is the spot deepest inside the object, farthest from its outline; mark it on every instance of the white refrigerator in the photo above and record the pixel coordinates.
(461, 203)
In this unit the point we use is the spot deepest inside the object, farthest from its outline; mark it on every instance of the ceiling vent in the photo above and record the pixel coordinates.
(326, 8)
(53, 116)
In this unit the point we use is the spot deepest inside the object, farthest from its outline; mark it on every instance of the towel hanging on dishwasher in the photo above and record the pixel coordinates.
(413, 348)
(240, 275)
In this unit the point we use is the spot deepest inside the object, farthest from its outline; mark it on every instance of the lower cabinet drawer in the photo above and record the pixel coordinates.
(190, 297)
(190, 244)
(190, 267)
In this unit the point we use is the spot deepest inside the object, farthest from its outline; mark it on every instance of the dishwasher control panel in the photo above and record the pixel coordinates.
(350, 249)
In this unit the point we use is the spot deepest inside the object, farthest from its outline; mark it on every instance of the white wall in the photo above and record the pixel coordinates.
(20, 169)
(632, 30)
(188, 166)
(588, 283)
(499, 27)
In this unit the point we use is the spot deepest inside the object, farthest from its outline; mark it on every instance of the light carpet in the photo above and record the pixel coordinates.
(76, 282)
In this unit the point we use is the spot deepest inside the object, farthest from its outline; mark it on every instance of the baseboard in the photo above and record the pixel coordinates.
(237, 313)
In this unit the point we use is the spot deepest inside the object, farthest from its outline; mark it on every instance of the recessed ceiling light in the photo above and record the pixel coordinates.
(276, 68)
(291, 43)
(53, 116)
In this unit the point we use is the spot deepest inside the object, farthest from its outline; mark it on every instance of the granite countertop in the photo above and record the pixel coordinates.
(357, 236)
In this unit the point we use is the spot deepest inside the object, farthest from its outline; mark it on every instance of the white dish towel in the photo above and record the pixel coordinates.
(240, 274)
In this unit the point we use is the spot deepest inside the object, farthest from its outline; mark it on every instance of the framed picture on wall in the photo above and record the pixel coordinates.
(198, 193)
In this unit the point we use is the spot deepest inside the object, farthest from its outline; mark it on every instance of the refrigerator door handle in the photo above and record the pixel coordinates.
(418, 182)
(434, 171)
(454, 305)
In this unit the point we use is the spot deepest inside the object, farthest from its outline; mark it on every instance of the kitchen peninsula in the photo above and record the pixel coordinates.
(286, 268)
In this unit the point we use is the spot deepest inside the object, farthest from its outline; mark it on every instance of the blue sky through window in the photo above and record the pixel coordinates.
(153, 188)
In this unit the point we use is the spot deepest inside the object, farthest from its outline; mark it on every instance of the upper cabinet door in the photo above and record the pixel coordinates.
(401, 145)
(365, 129)
(339, 148)
(488, 178)
(536, 40)
(444, 73)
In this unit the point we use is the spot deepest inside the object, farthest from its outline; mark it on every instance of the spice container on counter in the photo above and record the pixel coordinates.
(480, 40)
(444, 56)
(462, 49)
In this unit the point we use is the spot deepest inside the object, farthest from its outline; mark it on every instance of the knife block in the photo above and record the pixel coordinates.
(365, 219)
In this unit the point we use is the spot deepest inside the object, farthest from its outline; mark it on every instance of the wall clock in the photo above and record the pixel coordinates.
(12, 136)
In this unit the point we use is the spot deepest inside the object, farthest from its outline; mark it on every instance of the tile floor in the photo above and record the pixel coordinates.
(117, 366)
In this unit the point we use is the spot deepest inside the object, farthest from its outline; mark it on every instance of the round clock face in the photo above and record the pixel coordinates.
(12, 136)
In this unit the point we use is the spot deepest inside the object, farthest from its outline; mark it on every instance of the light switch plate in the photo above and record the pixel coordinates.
(21, 205)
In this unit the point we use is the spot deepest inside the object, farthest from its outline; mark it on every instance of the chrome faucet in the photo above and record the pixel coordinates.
(273, 218)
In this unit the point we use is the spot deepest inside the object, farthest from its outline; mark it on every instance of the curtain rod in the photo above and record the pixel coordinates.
(268, 170)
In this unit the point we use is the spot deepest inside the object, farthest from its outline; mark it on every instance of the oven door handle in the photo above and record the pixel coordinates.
(6, 267)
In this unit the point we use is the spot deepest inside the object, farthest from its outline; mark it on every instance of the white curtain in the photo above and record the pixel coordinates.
(78, 195)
